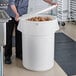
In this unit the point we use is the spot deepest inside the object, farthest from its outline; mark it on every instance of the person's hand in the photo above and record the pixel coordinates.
(17, 17)
(50, 2)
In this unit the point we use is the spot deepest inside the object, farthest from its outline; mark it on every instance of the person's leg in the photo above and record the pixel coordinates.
(8, 47)
(18, 44)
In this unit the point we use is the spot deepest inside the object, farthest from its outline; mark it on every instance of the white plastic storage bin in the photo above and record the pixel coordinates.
(38, 43)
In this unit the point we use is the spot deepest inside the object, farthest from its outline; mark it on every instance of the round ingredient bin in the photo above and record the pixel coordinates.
(38, 43)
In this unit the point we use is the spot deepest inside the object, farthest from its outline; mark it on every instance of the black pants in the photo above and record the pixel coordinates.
(18, 39)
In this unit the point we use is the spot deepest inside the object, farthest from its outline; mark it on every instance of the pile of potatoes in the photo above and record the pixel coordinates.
(39, 19)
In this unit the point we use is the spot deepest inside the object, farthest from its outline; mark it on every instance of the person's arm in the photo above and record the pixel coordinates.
(14, 9)
(50, 2)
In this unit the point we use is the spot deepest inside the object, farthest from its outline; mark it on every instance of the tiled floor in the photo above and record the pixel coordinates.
(16, 68)
(69, 30)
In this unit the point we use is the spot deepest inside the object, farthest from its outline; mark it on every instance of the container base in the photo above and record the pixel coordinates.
(39, 69)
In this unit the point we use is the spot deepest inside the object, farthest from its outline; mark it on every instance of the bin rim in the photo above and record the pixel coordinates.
(53, 18)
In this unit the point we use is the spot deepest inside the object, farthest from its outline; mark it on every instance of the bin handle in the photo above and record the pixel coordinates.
(47, 9)
(26, 16)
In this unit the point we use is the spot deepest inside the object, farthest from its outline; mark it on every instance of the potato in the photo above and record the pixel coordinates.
(39, 19)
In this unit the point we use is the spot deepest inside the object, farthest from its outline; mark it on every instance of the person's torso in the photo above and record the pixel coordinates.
(27, 6)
